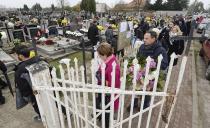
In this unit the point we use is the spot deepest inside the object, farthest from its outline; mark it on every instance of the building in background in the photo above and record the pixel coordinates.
(102, 9)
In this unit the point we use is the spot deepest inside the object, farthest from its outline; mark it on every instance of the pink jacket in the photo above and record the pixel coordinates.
(108, 76)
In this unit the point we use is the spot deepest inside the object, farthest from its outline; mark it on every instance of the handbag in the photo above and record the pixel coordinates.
(20, 101)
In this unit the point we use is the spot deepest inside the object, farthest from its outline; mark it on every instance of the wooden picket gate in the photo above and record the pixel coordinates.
(69, 102)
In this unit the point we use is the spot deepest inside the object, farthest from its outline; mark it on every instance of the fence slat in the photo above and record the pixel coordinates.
(160, 58)
(136, 68)
(94, 96)
(65, 97)
(70, 85)
(173, 56)
(59, 105)
(181, 74)
(122, 99)
(75, 100)
(48, 100)
(112, 94)
(146, 81)
(78, 94)
(85, 97)
(103, 94)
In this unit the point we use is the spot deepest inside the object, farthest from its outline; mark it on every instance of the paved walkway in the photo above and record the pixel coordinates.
(203, 93)
(12, 118)
(182, 115)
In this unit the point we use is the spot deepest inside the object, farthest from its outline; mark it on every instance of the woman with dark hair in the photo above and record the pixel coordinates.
(105, 53)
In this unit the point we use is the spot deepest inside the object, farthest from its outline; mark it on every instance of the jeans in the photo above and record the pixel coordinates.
(98, 106)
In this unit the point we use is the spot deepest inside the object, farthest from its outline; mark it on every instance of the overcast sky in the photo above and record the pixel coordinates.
(47, 3)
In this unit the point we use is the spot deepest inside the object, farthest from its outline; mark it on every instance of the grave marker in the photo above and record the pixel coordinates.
(32, 32)
(19, 34)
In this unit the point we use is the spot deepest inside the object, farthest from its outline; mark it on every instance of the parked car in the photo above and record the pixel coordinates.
(202, 26)
(205, 50)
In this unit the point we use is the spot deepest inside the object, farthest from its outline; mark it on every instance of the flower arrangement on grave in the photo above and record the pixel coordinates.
(17, 42)
(49, 42)
(141, 74)
(100, 27)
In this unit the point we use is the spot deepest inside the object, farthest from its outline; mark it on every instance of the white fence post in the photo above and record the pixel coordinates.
(36, 72)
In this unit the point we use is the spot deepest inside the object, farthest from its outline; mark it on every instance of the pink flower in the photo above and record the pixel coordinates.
(153, 64)
(131, 69)
(139, 76)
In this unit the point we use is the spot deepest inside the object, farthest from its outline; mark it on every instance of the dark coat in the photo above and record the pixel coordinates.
(188, 24)
(176, 47)
(109, 35)
(164, 38)
(21, 82)
(154, 51)
(139, 33)
(93, 34)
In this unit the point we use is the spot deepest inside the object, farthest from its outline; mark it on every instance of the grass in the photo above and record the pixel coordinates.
(78, 55)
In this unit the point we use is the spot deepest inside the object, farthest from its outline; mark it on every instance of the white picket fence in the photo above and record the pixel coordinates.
(78, 98)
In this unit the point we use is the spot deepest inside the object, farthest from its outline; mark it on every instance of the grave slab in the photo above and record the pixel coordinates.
(7, 59)
(61, 48)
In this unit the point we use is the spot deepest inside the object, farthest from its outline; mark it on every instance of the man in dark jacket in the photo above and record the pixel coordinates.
(93, 35)
(22, 78)
(153, 48)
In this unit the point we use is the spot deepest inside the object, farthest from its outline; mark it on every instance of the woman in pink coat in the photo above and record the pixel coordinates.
(105, 52)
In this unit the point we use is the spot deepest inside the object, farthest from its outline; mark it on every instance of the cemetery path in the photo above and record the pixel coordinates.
(203, 89)
(12, 118)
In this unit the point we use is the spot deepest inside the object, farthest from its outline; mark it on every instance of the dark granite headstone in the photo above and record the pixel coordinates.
(33, 32)
(53, 30)
(19, 34)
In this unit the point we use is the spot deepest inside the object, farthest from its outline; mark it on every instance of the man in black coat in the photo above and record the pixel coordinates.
(93, 35)
(22, 78)
(153, 48)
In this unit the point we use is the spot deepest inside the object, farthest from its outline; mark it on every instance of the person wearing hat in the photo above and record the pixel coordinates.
(22, 78)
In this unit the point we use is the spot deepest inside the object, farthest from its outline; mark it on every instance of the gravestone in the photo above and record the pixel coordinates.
(7, 59)
(1, 24)
(53, 30)
(60, 31)
(19, 34)
(32, 32)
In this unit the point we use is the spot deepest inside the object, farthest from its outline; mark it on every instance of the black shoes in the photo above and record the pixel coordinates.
(2, 100)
